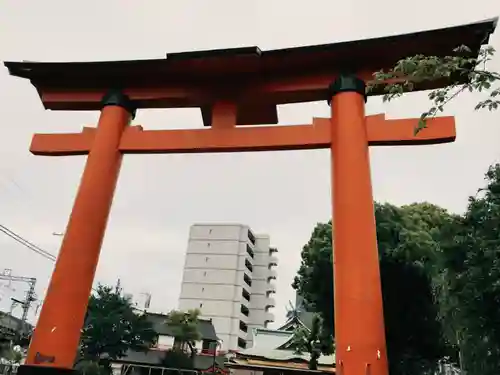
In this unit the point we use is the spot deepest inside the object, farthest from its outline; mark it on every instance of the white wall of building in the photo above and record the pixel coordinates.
(221, 261)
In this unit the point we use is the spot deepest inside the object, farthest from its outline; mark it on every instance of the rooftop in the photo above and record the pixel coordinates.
(205, 327)
(155, 358)
(10, 323)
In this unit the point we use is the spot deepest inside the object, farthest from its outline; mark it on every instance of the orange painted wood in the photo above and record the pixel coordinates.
(265, 138)
(57, 333)
(63, 144)
(225, 138)
(280, 90)
(359, 316)
(401, 132)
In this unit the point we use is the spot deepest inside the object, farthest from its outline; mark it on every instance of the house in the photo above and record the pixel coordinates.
(273, 352)
(205, 358)
(165, 341)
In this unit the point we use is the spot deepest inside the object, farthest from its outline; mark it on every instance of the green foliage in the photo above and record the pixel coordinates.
(11, 354)
(461, 71)
(311, 341)
(317, 261)
(184, 327)
(408, 237)
(470, 281)
(112, 327)
(93, 368)
(440, 280)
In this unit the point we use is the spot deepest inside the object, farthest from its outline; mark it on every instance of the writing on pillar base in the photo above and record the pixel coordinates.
(340, 366)
(41, 358)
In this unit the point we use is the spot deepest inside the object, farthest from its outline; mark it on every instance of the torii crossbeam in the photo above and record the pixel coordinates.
(234, 88)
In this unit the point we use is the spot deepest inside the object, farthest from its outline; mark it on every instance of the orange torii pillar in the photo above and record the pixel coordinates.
(56, 337)
(359, 318)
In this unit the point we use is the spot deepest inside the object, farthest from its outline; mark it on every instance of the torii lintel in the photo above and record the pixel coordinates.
(318, 135)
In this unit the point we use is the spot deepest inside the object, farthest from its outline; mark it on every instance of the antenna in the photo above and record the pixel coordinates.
(147, 301)
(6, 274)
(118, 287)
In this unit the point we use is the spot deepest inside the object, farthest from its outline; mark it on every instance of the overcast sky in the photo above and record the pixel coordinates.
(283, 194)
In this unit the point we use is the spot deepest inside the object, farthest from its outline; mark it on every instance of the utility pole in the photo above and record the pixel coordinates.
(30, 295)
(118, 287)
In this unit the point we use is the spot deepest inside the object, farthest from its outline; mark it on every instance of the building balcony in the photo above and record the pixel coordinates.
(273, 260)
(243, 329)
(272, 274)
(271, 288)
(248, 264)
(245, 302)
(244, 318)
(270, 302)
(245, 297)
(244, 313)
(268, 317)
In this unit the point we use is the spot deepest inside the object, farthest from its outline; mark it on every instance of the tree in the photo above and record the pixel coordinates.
(11, 354)
(408, 238)
(88, 367)
(470, 274)
(311, 341)
(184, 328)
(462, 71)
(112, 327)
(317, 261)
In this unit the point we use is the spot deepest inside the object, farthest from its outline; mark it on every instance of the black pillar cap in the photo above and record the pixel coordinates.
(44, 370)
(118, 98)
(346, 83)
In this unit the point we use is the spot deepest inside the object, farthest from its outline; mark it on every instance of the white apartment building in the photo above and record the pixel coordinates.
(228, 275)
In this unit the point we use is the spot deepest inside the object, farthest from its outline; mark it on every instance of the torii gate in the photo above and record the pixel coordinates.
(234, 88)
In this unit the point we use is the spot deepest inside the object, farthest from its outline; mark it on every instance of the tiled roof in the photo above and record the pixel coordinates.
(284, 355)
(155, 358)
(205, 327)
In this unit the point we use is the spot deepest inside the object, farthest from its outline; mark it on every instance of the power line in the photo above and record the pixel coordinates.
(16, 237)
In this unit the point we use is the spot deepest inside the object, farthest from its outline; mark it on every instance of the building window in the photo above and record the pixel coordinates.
(251, 237)
(243, 327)
(210, 231)
(208, 244)
(272, 250)
(205, 273)
(245, 294)
(247, 279)
(201, 305)
(248, 265)
(244, 310)
(206, 259)
(242, 343)
(250, 251)
(202, 289)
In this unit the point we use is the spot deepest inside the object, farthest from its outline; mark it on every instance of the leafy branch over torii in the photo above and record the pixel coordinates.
(464, 73)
